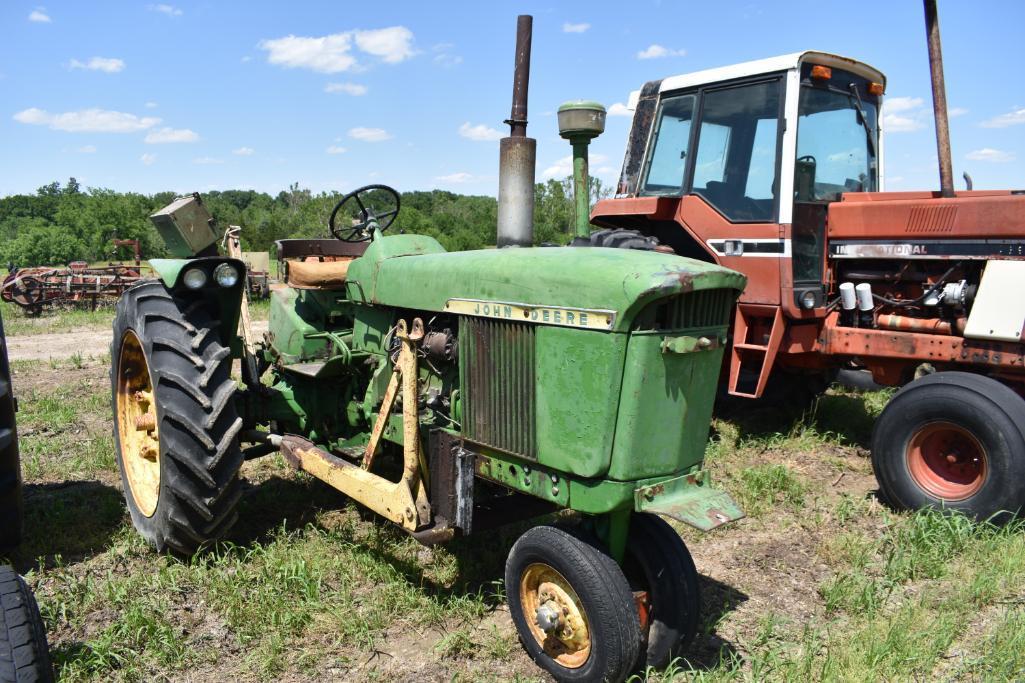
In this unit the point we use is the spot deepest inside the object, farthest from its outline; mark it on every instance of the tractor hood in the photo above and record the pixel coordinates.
(412, 271)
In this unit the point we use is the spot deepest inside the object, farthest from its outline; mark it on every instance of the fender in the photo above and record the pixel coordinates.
(226, 300)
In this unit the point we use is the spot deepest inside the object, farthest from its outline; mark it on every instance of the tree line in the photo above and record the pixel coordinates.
(63, 223)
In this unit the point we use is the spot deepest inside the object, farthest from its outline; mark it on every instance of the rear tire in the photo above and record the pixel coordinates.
(620, 238)
(659, 563)
(556, 569)
(953, 440)
(24, 653)
(181, 475)
(11, 505)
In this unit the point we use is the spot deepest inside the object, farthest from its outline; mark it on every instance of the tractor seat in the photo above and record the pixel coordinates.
(317, 263)
(315, 274)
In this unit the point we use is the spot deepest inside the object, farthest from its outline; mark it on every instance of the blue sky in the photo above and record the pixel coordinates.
(217, 95)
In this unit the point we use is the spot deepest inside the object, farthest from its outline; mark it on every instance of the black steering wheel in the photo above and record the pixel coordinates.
(365, 219)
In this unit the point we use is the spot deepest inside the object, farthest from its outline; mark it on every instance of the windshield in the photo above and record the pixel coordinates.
(836, 148)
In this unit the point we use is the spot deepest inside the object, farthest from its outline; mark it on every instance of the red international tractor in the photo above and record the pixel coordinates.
(774, 168)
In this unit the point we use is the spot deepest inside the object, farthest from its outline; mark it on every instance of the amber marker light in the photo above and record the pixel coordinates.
(821, 72)
(875, 89)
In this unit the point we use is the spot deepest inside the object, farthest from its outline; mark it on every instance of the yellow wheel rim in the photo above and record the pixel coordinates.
(137, 428)
(569, 642)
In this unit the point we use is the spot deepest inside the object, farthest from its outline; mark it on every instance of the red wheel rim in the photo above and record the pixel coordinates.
(946, 461)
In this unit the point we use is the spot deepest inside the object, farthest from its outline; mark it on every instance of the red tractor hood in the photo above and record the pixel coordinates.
(998, 214)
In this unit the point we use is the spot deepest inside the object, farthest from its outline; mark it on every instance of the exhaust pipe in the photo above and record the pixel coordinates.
(939, 98)
(517, 154)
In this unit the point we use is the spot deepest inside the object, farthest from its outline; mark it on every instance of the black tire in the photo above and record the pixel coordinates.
(198, 425)
(11, 505)
(787, 393)
(24, 653)
(982, 474)
(659, 563)
(620, 238)
(603, 593)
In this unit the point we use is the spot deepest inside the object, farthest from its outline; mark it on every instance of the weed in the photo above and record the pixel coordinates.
(767, 485)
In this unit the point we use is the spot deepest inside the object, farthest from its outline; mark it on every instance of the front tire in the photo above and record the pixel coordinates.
(659, 564)
(953, 440)
(572, 606)
(176, 426)
(24, 653)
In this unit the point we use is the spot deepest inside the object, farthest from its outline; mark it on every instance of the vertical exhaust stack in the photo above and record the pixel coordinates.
(518, 154)
(939, 98)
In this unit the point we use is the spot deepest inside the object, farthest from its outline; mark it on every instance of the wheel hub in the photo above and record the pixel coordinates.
(947, 461)
(560, 624)
(137, 430)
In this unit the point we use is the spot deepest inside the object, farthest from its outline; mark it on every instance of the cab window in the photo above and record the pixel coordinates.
(735, 165)
(669, 144)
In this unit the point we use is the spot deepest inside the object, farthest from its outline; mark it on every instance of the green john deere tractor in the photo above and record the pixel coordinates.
(449, 393)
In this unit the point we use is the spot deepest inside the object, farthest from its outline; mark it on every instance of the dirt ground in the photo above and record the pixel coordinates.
(84, 342)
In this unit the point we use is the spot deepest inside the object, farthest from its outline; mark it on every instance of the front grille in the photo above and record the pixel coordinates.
(694, 310)
(496, 366)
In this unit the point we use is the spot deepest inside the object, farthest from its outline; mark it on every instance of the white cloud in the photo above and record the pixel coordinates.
(479, 133)
(448, 60)
(87, 149)
(656, 51)
(151, 105)
(207, 161)
(903, 114)
(460, 177)
(393, 44)
(619, 109)
(1013, 118)
(990, 154)
(327, 54)
(39, 16)
(956, 111)
(369, 134)
(445, 57)
(333, 53)
(243, 151)
(109, 65)
(895, 104)
(166, 135)
(564, 166)
(575, 28)
(347, 88)
(336, 149)
(87, 120)
(148, 159)
(856, 154)
(169, 10)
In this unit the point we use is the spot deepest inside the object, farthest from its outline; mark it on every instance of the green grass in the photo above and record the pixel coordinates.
(54, 320)
(309, 587)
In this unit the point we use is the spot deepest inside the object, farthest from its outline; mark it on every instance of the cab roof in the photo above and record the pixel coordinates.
(762, 66)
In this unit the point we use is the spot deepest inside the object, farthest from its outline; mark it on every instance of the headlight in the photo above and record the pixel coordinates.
(194, 278)
(226, 275)
(808, 299)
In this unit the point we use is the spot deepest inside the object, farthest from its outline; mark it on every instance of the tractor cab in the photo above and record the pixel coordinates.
(746, 159)
(739, 166)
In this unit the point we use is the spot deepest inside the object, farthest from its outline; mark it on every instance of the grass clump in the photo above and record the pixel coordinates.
(770, 485)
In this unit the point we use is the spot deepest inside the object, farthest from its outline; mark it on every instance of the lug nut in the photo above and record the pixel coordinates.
(146, 422)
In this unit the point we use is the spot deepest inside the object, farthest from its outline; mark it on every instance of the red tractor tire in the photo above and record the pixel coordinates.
(956, 441)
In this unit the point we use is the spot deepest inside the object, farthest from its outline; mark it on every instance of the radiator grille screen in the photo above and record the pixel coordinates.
(694, 310)
(496, 361)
